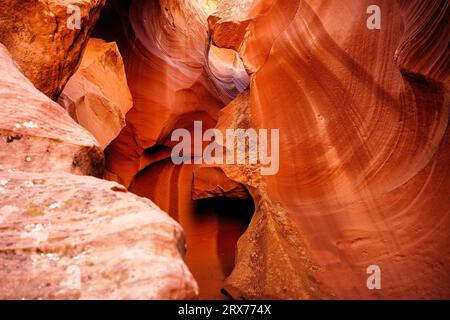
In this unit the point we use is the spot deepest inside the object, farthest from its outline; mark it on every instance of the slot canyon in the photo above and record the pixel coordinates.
(93, 206)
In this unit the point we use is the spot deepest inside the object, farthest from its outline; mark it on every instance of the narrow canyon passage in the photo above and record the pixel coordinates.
(212, 226)
(176, 77)
(362, 165)
(342, 191)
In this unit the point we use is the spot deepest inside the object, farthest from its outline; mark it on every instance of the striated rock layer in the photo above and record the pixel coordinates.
(37, 34)
(364, 141)
(164, 47)
(69, 237)
(424, 46)
(37, 134)
(66, 236)
(364, 150)
(97, 96)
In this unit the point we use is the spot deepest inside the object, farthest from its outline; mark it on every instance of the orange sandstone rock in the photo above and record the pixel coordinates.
(364, 140)
(164, 47)
(70, 237)
(37, 134)
(38, 36)
(424, 47)
(65, 236)
(364, 152)
(97, 96)
(212, 228)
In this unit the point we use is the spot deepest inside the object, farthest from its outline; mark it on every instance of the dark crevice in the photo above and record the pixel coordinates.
(232, 217)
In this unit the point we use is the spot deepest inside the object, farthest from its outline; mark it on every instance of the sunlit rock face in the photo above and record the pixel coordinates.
(70, 237)
(364, 142)
(227, 70)
(36, 134)
(36, 33)
(97, 95)
(163, 46)
(64, 235)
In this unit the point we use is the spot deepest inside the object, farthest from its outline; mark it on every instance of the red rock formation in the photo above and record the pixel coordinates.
(97, 96)
(70, 237)
(172, 83)
(37, 134)
(364, 142)
(227, 71)
(211, 228)
(424, 47)
(36, 33)
(163, 47)
(364, 151)
(65, 236)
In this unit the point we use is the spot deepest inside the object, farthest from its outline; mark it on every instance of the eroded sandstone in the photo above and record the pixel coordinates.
(70, 237)
(37, 134)
(364, 140)
(364, 151)
(97, 95)
(37, 35)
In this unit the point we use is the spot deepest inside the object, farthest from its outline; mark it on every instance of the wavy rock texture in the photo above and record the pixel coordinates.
(364, 153)
(212, 228)
(97, 96)
(37, 134)
(164, 49)
(424, 47)
(65, 236)
(69, 237)
(36, 33)
(364, 140)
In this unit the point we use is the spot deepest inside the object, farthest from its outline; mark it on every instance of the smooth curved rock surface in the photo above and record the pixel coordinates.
(424, 47)
(65, 236)
(97, 96)
(364, 139)
(212, 227)
(364, 154)
(227, 71)
(69, 237)
(173, 83)
(164, 46)
(36, 33)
